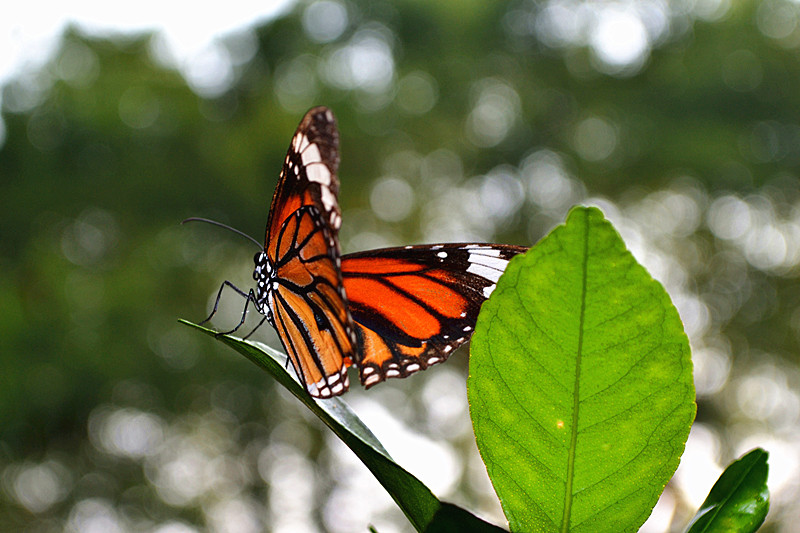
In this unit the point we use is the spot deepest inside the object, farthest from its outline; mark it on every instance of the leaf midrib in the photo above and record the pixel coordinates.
(570, 478)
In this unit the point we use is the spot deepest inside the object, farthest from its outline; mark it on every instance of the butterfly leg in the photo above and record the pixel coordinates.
(219, 295)
(255, 328)
(251, 297)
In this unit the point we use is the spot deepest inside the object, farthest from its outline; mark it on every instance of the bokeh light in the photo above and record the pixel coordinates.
(325, 21)
(494, 112)
(673, 117)
(392, 199)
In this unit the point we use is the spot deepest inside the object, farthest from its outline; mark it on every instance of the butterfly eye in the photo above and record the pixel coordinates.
(257, 257)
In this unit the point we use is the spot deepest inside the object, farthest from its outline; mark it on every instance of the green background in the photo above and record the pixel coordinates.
(459, 121)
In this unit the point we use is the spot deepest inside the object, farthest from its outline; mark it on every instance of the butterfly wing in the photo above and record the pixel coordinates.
(413, 306)
(309, 175)
(306, 294)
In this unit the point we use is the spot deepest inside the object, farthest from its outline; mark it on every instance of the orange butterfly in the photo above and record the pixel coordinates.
(389, 312)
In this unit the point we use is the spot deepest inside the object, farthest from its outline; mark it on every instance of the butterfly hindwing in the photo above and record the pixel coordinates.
(412, 306)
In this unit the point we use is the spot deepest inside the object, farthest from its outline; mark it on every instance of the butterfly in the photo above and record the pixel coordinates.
(388, 312)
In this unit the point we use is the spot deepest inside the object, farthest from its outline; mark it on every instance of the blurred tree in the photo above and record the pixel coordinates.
(491, 118)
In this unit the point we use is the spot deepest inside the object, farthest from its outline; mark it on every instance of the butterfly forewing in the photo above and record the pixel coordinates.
(413, 306)
(305, 292)
(308, 176)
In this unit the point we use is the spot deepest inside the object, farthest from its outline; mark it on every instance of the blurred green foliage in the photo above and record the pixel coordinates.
(106, 150)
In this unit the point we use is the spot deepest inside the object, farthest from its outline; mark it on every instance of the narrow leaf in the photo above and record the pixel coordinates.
(580, 387)
(739, 500)
(450, 518)
(416, 500)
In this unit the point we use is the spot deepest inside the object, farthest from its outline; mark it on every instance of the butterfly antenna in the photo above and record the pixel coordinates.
(221, 225)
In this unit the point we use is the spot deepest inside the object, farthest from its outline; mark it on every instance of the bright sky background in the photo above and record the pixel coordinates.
(30, 30)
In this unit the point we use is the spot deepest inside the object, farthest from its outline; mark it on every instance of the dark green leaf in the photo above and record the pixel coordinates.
(451, 519)
(739, 500)
(580, 386)
(416, 500)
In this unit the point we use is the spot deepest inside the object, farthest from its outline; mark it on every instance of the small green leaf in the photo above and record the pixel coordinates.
(416, 500)
(580, 387)
(739, 500)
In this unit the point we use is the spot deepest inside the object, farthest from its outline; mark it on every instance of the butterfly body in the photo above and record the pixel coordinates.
(389, 312)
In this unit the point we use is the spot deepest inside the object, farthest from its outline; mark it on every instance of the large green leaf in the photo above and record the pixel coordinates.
(422, 508)
(739, 500)
(580, 387)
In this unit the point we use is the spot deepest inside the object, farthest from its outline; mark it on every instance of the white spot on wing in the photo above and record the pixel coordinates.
(328, 199)
(442, 254)
(311, 155)
(493, 262)
(319, 173)
(484, 249)
(487, 291)
(300, 142)
(484, 271)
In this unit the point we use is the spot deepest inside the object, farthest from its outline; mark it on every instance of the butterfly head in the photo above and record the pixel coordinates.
(264, 275)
